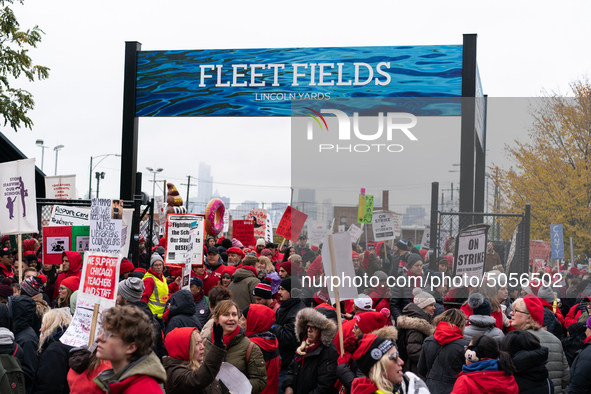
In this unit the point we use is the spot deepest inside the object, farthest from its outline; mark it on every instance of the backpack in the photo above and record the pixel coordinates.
(12, 377)
(401, 344)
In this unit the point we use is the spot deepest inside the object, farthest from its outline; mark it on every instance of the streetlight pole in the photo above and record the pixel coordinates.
(39, 143)
(154, 171)
(57, 149)
(99, 176)
(92, 168)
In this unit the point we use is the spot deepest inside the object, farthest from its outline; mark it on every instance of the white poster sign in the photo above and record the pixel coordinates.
(78, 331)
(18, 205)
(61, 186)
(342, 228)
(397, 224)
(426, 240)
(269, 230)
(194, 254)
(471, 251)
(105, 225)
(62, 215)
(383, 226)
(355, 232)
(317, 230)
(177, 237)
(343, 250)
(259, 217)
(226, 221)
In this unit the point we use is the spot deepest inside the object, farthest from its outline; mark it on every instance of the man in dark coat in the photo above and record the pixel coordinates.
(402, 295)
(181, 312)
(313, 367)
(200, 301)
(284, 327)
(22, 309)
(580, 379)
(130, 293)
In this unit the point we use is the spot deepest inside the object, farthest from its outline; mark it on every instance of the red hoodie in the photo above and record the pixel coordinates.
(363, 386)
(75, 260)
(485, 382)
(446, 333)
(178, 341)
(260, 318)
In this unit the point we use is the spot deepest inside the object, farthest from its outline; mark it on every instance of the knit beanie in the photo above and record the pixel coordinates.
(371, 321)
(577, 329)
(71, 282)
(355, 255)
(286, 284)
(43, 278)
(266, 252)
(155, 257)
(381, 275)
(32, 286)
(160, 250)
(412, 259)
(131, 289)
(260, 242)
(237, 243)
(402, 244)
(369, 349)
(6, 288)
(547, 294)
(126, 266)
(424, 299)
(535, 308)
(479, 304)
(226, 243)
(263, 289)
(197, 282)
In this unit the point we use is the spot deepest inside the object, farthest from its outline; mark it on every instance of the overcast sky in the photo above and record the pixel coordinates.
(523, 47)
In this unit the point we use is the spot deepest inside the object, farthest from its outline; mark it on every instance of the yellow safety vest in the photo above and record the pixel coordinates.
(159, 296)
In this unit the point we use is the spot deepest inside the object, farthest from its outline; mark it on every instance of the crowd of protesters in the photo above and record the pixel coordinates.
(247, 307)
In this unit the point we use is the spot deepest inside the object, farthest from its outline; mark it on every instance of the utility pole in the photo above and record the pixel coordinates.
(188, 184)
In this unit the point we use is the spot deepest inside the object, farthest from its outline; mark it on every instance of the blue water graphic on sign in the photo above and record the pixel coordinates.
(556, 240)
(263, 82)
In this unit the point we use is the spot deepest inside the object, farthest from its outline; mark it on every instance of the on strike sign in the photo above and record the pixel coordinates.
(99, 275)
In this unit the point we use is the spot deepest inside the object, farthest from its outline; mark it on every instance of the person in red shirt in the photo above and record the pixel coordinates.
(209, 281)
(125, 339)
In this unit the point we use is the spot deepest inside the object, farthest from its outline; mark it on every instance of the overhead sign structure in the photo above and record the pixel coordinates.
(557, 241)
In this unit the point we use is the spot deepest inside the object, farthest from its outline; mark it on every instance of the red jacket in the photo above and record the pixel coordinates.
(377, 294)
(136, 384)
(209, 281)
(572, 316)
(81, 383)
(258, 323)
(363, 386)
(75, 260)
(485, 382)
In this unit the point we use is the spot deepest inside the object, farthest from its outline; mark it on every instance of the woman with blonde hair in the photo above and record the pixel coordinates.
(52, 372)
(240, 351)
(183, 366)
(379, 360)
(442, 356)
(528, 315)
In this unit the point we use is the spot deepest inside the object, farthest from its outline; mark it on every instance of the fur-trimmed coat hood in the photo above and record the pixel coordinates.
(310, 316)
(414, 318)
(388, 332)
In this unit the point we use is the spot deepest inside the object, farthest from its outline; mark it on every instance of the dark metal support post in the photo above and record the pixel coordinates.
(527, 235)
(480, 178)
(134, 246)
(149, 242)
(433, 231)
(129, 141)
(468, 117)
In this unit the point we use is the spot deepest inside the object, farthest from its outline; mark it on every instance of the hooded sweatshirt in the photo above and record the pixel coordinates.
(181, 312)
(22, 310)
(484, 377)
(259, 320)
(75, 260)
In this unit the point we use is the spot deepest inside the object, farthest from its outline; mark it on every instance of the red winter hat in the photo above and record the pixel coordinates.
(371, 321)
(355, 255)
(315, 268)
(450, 260)
(236, 250)
(28, 253)
(423, 253)
(126, 266)
(140, 270)
(574, 271)
(43, 278)
(314, 248)
(162, 242)
(321, 296)
(71, 282)
(535, 308)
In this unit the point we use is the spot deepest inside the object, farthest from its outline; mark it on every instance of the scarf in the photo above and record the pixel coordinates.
(251, 269)
(228, 338)
(6, 336)
(197, 297)
(482, 365)
(6, 272)
(305, 348)
(587, 340)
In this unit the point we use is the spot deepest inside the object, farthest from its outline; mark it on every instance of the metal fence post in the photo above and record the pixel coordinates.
(434, 233)
(526, 235)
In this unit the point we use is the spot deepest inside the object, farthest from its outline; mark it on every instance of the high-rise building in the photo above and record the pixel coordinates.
(205, 183)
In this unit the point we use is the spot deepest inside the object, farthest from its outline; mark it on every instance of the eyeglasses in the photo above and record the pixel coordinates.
(517, 310)
(394, 356)
(105, 334)
(308, 327)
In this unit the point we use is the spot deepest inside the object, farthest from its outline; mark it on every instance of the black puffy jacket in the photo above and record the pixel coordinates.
(182, 311)
(531, 374)
(315, 374)
(552, 324)
(284, 329)
(22, 309)
(580, 378)
(158, 347)
(52, 375)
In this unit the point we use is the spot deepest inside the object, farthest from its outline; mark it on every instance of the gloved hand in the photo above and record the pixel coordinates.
(344, 359)
(218, 335)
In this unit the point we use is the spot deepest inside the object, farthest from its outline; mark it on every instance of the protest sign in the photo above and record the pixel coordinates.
(243, 231)
(60, 187)
(317, 230)
(18, 212)
(80, 239)
(195, 247)
(69, 216)
(78, 332)
(355, 233)
(345, 272)
(100, 276)
(161, 210)
(56, 240)
(397, 224)
(259, 217)
(269, 230)
(367, 210)
(557, 241)
(291, 224)
(105, 225)
(426, 240)
(512, 248)
(341, 228)
(471, 251)
(539, 263)
(226, 221)
(177, 238)
(383, 226)
(540, 250)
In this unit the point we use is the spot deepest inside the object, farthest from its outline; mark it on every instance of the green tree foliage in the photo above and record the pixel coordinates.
(15, 63)
(552, 170)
